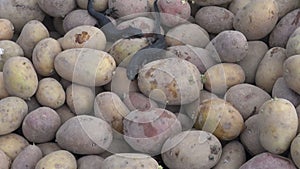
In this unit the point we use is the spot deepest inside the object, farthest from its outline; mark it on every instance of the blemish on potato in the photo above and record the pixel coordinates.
(81, 38)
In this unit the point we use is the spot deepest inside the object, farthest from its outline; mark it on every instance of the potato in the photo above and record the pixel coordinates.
(228, 46)
(64, 113)
(90, 162)
(129, 9)
(246, 98)
(99, 5)
(277, 137)
(250, 136)
(220, 77)
(281, 90)
(73, 65)
(40, 125)
(32, 32)
(44, 54)
(80, 99)
(270, 68)
(146, 131)
(204, 147)
(292, 46)
(284, 28)
(285, 6)
(78, 135)
(295, 150)
(61, 159)
(219, 117)
(211, 2)
(50, 93)
(12, 144)
(118, 145)
(129, 160)
(256, 52)
(27, 10)
(198, 56)
(57, 8)
(109, 107)
(9, 49)
(256, 19)
(178, 35)
(27, 158)
(236, 5)
(3, 91)
(12, 112)
(162, 82)
(48, 148)
(77, 18)
(5, 161)
(136, 100)
(233, 156)
(268, 160)
(214, 19)
(6, 29)
(291, 73)
(84, 36)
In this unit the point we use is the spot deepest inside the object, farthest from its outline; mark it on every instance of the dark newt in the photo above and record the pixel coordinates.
(109, 29)
(150, 53)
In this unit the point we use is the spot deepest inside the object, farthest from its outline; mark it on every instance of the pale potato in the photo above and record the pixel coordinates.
(6, 29)
(61, 158)
(12, 144)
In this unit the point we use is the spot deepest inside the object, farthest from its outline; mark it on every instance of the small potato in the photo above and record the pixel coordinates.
(295, 147)
(12, 144)
(256, 52)
(12, 112)
(228, 46)
(179, 36)
(246, 98)
(250, 136)
(73, 65)
(99, 5)
(291, 73)
(61, 158)
(32, 32)
(64, 113)
(57, 8)
(129, 160)
(270, 68)
(5, 161)
(3, 91)
(78, 135)
(90, 162)
(27, 158)
(220, 77)
(152, 128)
(50, 93)
(20, 78)
(77, 18)
(281, 90)
(194, 149)
(80, 99)
(44, 54)
(109, 107)
(233, 156)
(214, 19)
(292, 46)
(277, 137)
(268, 160)
(284, 28)
(161, 81)
(27, 10)
(220, 118)
(256, 19)
(136, 100)
(9, 49)
(48, 148)
(40, 125)
(84, 36)
(6, 29)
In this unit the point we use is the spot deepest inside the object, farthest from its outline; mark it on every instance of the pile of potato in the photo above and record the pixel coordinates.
(225, 94)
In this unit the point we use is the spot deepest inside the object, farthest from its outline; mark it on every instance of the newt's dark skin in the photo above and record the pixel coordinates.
(149, 53)
(109, 29)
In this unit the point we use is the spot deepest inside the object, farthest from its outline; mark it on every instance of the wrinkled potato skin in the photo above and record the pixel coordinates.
(10, 49)
(12, 144)
(5, 161)
(291, 73)
(77, 18)
(61, 158)
(57, 8)
(27, 158)
(32, 32)
(6, 29)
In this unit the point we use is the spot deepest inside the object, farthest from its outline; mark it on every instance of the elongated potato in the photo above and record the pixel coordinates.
(27, 158)
(61, 158)
(85, 66)
(291, 73)
(9, 49)
(12, 144)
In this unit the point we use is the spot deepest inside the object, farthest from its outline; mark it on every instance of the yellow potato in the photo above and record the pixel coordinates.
(61, 158)
(12, 144)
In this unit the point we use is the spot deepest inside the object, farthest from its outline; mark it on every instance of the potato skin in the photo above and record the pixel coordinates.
(99, 5)
(12, 144)
(76, 18)
(9, 49)
(20, 78)
(292, 46)
(72, 65)
(6, 29)
(57, 8)
(12, 112)
(281, 90)
(290, 73)
(277, 137)
(205, 148)
(48, 148)
(27, 158)
(211, 2)
(295, 145)
(90, 162)
(61, 158)
(136, 100)
(5, 161)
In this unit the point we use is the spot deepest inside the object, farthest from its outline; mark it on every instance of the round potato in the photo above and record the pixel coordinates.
(12, 144)
(27, 158)
(291, 73)
(277, 137)
(5, 161)
(77, 18)
(73, 65)
(9, 49)
(90, 162)
(57, 8)
(6, 29)
(48, 148)
(61, 158)
(192, 149)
